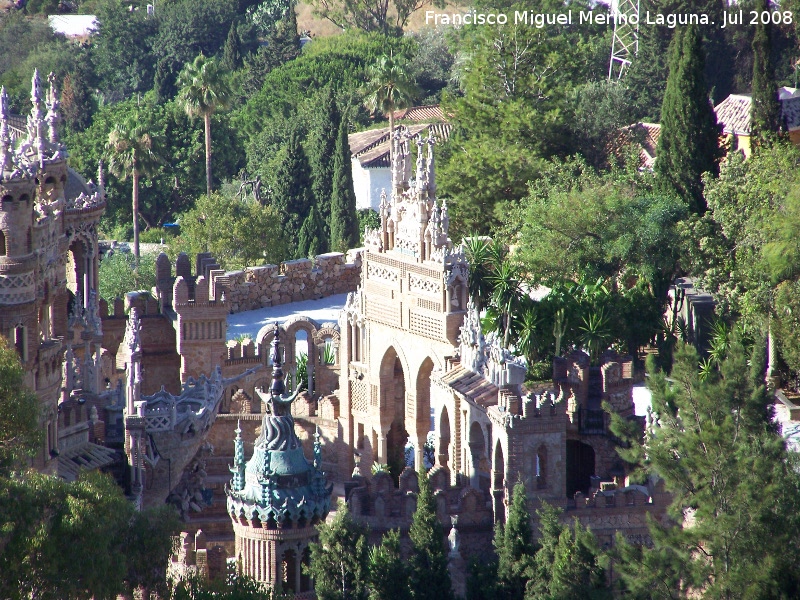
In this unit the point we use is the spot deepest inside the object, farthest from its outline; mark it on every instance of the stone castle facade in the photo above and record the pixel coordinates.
(150, 388)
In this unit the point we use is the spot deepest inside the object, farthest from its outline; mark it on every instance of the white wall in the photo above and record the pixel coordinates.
(368, 184)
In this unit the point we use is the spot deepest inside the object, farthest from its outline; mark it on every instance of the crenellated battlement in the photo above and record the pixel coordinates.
(256, 287)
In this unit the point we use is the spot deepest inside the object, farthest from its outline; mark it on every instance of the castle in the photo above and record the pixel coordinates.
(151, 388)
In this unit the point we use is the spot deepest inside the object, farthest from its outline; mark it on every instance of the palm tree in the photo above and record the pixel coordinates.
(130, 152)
(204, 88)
(390, 88)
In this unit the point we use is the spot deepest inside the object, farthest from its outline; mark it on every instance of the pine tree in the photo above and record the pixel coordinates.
(322, 153)
(339, 561)
(568, 563)
(514, 545)
(718, 453)
(312, 240)
(428, 576)
(689, 142)
(766, 108)
(291, 189)
(645, 76)
(388, 575)
(344, 219)
(232, 53)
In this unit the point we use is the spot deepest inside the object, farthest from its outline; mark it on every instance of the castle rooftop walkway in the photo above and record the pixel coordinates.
(249, 323)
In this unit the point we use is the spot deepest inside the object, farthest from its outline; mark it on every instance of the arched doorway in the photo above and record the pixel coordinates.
(393, 400)
(580, 467)
(477, 451)
(498, 481)
(423, 420)
(443, 448)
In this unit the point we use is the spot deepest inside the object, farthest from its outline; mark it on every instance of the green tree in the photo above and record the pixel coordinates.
(19, 411)
(238, 233)
(390, 88)
(388, 18)
(119, 275)
(344, 219)
(388, 576)
(339, 560)
(713, 444)
(513, 543)
(203, 89)
(45, 522)
(511, 114)
(122, 51)
(568, 564)
(766, 110)
(311, 241)
(291, 188)
(428, 576)
(130, 152)
(177, 181)
(689, 142)
(187, 28)
(322, 155)
(235, 587)
(232, 54)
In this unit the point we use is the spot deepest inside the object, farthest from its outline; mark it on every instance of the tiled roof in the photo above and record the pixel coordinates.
(790, 109)
(432, 112)
(471, 385)
(17, 126)
(734, 111)
(86, 456)
(644, 134)
(371, 148)
(733, 114)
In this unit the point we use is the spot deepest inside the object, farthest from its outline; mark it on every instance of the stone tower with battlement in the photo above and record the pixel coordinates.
(48, 260)
(278, 497)
(402, 322)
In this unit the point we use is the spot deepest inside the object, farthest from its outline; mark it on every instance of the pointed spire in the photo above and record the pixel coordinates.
(278, 387)
(422, 173)
(6, 163)
(36, 123)
(101, 178)
(431, 141)
(53, 105)
(238, 468)
(445, 217)
(131, 339)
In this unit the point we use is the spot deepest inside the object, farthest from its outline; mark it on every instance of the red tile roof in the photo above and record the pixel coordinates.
(432, 112)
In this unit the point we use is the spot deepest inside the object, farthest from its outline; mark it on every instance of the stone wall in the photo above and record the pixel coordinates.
(291, 281)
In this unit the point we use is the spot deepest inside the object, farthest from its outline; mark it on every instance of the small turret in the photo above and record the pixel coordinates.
(237, 483)
(53, 116)
(35, 142)
(6, 163)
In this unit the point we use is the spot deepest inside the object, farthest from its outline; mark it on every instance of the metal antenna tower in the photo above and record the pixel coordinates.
(625, 43)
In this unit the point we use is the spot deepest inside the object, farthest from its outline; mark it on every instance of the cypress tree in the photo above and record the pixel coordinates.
(344, 219)
(388, 576)
(689, 142)
(339, 560)
(765, 111)
(292, 189)
(645, 76)
(429, 579)
(514, 545)
(312, 241)
(232, 53)
(322, 152)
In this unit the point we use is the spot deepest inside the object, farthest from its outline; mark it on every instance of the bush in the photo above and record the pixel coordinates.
(118, 276)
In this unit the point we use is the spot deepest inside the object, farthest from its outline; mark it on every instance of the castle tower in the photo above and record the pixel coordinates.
(403, 321)
(278, 497)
